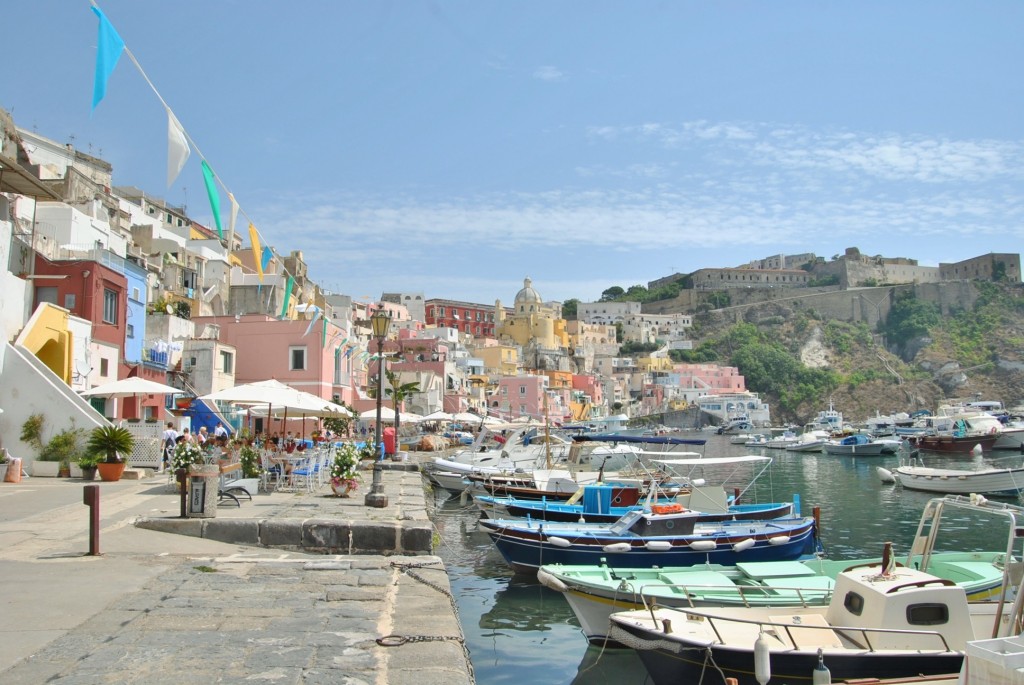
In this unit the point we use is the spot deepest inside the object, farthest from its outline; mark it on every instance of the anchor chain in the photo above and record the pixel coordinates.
(398, 640)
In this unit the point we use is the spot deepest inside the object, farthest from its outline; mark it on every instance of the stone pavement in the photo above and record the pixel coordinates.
(157, 607)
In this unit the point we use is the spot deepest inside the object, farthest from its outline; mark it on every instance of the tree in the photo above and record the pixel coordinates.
(611, 294)
(398, 392)
(569, 309)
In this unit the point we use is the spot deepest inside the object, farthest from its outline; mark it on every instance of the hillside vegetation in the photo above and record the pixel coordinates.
(919, 358)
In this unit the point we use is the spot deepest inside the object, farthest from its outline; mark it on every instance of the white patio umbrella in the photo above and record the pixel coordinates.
(435, 416)
(467, 417)
(131, 387)
(387, 415)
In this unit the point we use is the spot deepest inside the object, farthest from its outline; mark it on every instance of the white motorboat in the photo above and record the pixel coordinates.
(988, 480)
(739, 438)
(811, 441)
(781, 442)
(861, 445)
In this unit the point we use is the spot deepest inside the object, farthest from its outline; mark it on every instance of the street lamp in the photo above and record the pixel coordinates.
(379, 323)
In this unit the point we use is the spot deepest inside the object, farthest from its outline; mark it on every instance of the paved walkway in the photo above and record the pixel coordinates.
(156, 607)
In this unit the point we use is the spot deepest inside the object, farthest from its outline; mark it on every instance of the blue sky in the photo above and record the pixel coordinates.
(455, 148)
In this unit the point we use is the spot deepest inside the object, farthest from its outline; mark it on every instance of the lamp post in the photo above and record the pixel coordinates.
(379, 322)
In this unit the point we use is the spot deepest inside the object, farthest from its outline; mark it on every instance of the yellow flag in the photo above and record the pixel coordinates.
(254, 237)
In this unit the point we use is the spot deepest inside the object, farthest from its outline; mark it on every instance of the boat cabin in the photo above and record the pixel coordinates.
(660, 521)
(904, 599)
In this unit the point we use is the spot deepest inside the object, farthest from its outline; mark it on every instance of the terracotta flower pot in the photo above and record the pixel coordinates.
(110, 470)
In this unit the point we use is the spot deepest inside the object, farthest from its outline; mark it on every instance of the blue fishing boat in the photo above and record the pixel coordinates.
(662, 535)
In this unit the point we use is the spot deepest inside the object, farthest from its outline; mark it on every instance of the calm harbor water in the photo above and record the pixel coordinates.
(519, 631)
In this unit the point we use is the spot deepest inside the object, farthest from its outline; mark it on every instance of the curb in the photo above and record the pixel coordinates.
(317, 535)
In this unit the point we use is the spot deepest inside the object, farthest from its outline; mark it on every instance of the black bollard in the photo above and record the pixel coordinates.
(91, 497)
(181, 476)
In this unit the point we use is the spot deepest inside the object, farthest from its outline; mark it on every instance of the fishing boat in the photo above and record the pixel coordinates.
(605, 504)
(596, 592)
(663, 535)
(883, 620)
(988, 480)
(860, 445)
(961, 434)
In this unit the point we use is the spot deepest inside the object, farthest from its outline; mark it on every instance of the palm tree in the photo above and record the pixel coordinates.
(398, 392)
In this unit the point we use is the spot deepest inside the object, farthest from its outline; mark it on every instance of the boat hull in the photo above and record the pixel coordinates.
(992, 482)
(527, 549)
(560, 511)
(690, 662)
(948, 443)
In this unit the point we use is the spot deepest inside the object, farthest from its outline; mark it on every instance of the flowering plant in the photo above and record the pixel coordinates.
(185, 454)
(345, 467)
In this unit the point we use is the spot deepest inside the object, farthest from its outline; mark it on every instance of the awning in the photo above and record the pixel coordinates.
(14, 178)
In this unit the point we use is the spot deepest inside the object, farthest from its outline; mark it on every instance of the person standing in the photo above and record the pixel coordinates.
(170, 439)
(220, 431)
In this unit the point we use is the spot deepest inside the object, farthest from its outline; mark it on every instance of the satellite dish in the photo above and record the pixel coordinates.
(170, 309)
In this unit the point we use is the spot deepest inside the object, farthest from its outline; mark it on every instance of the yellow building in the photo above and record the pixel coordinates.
(532, 321)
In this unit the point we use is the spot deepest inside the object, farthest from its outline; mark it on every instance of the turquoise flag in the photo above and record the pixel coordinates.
(108, 50)
(265, 257)
(287, 297)
(211, 190)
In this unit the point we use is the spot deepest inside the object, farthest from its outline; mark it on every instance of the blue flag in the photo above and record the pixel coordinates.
(108, 51)
(265, 257)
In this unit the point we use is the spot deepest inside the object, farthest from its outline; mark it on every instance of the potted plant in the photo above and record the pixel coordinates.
(4, 463)
(112, 445)
(87, 463)
(345, 470)
(186, 454)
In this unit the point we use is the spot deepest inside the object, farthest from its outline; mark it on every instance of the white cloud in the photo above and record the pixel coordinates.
(549, 73)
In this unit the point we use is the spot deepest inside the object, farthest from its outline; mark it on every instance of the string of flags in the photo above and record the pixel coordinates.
(180, 144)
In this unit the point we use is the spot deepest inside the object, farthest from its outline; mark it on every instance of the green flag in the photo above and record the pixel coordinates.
(211, 190)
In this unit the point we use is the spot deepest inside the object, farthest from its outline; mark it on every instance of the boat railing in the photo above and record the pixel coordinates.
(815, 634)
(807, 596)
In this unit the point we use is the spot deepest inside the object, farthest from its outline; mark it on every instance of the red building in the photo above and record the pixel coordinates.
(475, 319)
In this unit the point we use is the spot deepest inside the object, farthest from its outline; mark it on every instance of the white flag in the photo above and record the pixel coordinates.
(177, 148)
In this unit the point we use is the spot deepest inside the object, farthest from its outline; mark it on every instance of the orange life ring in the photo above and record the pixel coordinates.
(674, 508)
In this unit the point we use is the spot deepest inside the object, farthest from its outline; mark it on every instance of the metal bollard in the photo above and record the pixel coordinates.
(91, 497)
(181, 475)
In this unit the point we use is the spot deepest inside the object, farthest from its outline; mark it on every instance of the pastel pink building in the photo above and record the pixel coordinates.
(518, 396)
(710, 379)
(306, 358)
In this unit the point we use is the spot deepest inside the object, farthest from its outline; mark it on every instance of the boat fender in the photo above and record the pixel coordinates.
(885, 475)
(550, 581)
(743, 544)
(821, 675)
(559, 542)
(702, 545)
(658, 545)
(779, 540)
(618, 547)
(762, 662)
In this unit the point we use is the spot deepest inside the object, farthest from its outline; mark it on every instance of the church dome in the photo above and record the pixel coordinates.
(527, 295)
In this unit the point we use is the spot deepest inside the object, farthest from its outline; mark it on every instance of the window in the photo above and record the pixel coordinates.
(927, 614)
(130, 333)
(104, 368)
(47, 293)
(109, 306)
(522, 410)
(522, 389)
(136, 295)
(854, 603)
(69, 301)
(227, 362)
(297, 358)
